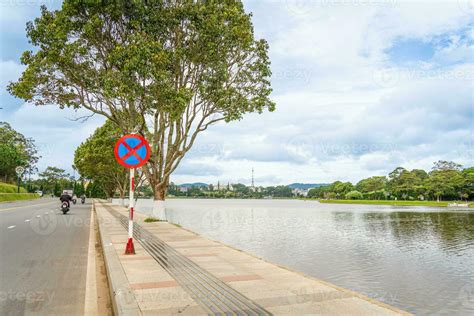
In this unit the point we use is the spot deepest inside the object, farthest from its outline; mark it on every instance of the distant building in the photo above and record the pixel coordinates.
(183, 189)
(300, 192)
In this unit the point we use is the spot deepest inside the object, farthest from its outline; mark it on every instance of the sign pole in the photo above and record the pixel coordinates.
(19, 172)
(131, 151)
(130, 249)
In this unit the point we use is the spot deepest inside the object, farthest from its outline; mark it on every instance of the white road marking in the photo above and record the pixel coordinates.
(10, 227)
(38, 216)
(27, 220)
(46, 212)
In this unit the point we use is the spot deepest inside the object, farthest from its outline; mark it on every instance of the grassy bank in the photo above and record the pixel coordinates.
(6, 197)
(10, 188)
(391, 202)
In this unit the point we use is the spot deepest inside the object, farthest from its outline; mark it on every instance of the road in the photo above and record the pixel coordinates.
(44, 254)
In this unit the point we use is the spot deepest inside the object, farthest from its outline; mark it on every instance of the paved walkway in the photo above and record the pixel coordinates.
(172, 264)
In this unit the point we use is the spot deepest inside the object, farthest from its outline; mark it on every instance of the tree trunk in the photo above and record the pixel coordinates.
(159, 201)
(122, 197)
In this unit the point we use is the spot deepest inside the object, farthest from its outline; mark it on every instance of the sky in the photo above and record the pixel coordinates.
(361, 87)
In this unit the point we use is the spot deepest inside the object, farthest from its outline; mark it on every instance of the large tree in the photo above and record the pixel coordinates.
(94, 159)
(446, 179)
(166, 69)
(15, 150)
(371, 184)
(54, 180)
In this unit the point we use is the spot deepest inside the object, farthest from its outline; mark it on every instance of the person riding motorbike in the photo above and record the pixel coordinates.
(66, 198)
(83, 198)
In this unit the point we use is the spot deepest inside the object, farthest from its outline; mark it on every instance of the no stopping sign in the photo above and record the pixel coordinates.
(132, 151)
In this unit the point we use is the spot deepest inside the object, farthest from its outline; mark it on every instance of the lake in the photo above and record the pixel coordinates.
(419, 259)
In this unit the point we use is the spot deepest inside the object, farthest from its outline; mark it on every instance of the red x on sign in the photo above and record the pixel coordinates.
(132, 151)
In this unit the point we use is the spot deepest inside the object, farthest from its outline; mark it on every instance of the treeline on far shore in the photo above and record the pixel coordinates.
(445, 181)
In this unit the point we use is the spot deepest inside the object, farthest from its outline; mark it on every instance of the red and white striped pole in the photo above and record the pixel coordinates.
(130, 249)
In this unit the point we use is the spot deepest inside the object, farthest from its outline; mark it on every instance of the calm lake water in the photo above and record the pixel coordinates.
(416, 258)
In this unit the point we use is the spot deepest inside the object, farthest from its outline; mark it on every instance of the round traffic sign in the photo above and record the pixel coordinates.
(19, 170)
(132, 151)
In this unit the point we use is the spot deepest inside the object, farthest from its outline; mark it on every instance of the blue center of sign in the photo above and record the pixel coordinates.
(134, 151)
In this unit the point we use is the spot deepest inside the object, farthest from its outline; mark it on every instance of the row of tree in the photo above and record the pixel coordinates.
(236, 190)
(446, 181)
(53, 180)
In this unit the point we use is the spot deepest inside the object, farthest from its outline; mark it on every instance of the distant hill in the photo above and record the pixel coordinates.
(194, 185)
(305, 186)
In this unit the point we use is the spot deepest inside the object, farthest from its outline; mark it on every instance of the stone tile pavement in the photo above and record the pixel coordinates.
(277, 289)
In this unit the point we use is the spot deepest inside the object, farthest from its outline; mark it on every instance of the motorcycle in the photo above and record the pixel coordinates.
(64, 207)
(83, 200)
(74, 201)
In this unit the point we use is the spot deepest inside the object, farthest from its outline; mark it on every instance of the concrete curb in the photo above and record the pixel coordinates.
(123, 299)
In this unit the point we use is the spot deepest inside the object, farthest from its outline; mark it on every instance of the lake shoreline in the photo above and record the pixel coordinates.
(394, 203)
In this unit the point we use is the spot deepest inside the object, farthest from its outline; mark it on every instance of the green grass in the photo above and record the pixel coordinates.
(10, 188)
(7, 197)
(389, 202)
(153, 219)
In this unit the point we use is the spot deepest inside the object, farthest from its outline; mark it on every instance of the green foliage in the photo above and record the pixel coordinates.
(152, 220)
(15, 150)
(354, 195)
(95, 190)
(79, 188)
(405, 184)
(372, 184)
(388, 202)
(446, 165)
(10, 188)
(164, 69)
(446, 181)
(279, 191)
(95, 160)
(55, 180)
(336, 190)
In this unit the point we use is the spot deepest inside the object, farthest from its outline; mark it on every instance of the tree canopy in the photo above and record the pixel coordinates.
(55, 180)
(15, 150)
(94, 159)
(164, 69)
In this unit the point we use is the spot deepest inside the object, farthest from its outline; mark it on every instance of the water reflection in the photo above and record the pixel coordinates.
(419, 259)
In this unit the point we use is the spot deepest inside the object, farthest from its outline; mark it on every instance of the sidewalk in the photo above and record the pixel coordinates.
(146, 284)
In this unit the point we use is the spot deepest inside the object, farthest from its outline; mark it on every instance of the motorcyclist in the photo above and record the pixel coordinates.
(65, 198)
(83, 197)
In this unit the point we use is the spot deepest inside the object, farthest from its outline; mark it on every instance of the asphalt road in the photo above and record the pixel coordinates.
(43, 258)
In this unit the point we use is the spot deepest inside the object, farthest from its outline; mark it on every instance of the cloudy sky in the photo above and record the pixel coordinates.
(361, 87)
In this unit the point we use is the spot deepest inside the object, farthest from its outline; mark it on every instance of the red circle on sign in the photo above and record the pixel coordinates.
(132, 151)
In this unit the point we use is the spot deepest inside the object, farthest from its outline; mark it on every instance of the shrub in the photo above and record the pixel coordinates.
(153, 219)
(354, 195)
